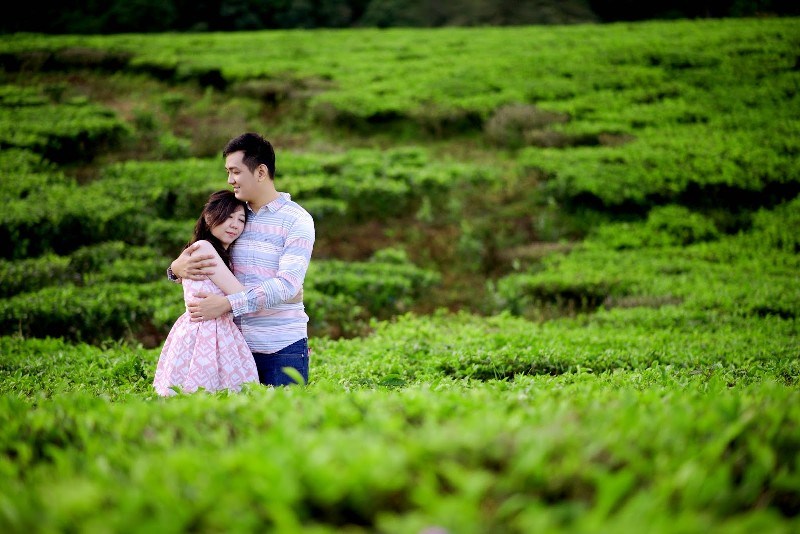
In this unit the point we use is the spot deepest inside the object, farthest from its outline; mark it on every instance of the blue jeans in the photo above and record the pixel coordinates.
(270, 366)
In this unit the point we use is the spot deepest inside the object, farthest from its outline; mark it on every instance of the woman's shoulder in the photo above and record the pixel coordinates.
(204, 246)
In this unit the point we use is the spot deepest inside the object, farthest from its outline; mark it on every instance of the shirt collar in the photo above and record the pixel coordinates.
(276, 204)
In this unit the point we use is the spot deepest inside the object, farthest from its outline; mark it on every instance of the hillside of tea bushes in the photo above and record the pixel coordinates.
(555, 284)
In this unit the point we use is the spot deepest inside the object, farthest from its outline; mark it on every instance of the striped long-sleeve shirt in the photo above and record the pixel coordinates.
(270, 259)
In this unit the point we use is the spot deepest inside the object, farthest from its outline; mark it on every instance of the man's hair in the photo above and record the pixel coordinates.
(257, 151)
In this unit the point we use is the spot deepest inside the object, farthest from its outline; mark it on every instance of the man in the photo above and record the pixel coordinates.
(270, 259)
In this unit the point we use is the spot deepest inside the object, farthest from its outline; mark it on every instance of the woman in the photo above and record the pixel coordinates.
(211, 354)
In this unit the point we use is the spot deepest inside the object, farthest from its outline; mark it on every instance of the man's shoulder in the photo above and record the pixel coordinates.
(297, 211)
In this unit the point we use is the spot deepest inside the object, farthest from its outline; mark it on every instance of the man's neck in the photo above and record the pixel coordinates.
(262, 201)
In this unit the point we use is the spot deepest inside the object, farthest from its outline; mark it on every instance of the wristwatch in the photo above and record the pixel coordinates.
(172, 276)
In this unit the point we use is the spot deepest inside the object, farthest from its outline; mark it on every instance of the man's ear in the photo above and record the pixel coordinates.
(263, 172)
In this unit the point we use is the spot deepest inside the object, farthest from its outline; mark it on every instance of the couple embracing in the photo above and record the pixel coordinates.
(245, 320)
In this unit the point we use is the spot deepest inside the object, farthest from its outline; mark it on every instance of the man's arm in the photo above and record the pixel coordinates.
(192, 266)
(289, 279)
(210, 306)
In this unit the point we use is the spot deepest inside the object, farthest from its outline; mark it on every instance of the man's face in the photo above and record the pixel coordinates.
(243, 180)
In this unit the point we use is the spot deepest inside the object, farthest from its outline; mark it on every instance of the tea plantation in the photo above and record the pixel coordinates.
(555, 285)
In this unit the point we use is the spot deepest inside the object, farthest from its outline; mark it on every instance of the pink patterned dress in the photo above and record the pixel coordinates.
(209, 354)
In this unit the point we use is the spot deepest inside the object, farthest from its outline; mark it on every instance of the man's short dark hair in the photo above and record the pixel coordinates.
(257, 151)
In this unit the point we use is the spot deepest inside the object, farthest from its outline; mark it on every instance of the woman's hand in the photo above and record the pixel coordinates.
(208, 306)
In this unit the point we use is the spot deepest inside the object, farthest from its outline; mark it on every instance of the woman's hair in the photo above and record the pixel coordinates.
(218, 208)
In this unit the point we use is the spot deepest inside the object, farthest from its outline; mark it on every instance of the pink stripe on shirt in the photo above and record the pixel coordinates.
(271, 259)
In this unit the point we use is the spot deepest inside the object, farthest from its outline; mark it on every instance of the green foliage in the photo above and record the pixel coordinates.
(676, 169)
(12, 96)
(657, 384)
(636, 116)
(665, 226)
(512, 125)
(384, 286)
(172, 147)
(64, 216)
(112, 291)
(95, 313)
(570, 451)
(129, 200)
(25, 173)
(723, 275)
(503, 347)
(51, 367)
(365, 184)
(75, 130)
(338, 315)
(777, 229)
(372, 184)
(33, 273)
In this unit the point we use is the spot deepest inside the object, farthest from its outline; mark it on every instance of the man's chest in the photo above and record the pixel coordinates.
(261, 244)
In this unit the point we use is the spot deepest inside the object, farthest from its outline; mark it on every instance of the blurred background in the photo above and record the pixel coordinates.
(74, 16)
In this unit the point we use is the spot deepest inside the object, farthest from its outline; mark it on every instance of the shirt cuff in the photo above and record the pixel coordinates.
(238, 303)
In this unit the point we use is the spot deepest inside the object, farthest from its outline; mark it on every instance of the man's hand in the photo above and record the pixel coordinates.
(208, 306)
(193, 267)
(297, 298)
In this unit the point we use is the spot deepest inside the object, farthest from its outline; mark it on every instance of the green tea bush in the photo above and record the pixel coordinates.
(646, 173)
(113, 291)
(375, 185)
(776, 229)
(721, 275)
(31, 274)
(63, 217)
(568, 452)
(106, 256)
(74, 131)
(168, 236)
(141, 203)
(334, 315)
(511, 125)
(165, 189)
(666, 396)
(12, 96)
(25, 173)
(172, 147)
(49, 367)
(366, 184)
(92, 314)
(421, 349)
(384, 286)
(665, 226)
(459, 76)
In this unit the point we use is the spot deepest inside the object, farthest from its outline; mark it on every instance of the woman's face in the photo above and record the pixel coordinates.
(230, 229)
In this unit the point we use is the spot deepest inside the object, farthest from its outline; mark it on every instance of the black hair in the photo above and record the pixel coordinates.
(218, 208)
(257, 151)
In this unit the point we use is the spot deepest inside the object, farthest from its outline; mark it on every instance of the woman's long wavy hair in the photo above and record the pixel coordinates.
(218, 208)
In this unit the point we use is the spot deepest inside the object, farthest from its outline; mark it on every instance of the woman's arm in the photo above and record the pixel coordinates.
(222, 277)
